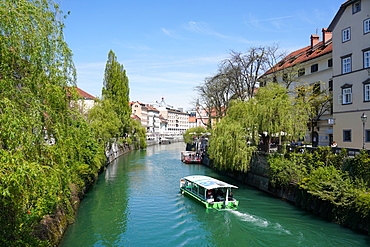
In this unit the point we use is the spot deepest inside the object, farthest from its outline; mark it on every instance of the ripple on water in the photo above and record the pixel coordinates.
(260, 222)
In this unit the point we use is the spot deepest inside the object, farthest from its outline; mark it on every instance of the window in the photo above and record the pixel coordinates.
(346, 34)
(347, 136)
(330, 85)
(356, 7)
(367, 59)
(366, 92)
(367, 26)
(314, 68)
(346, 96)
(346, 65)
(330, 62)
(367, 135)
(301, 72)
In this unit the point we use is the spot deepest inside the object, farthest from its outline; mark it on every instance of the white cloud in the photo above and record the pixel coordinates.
(203, 28)
(270, 19)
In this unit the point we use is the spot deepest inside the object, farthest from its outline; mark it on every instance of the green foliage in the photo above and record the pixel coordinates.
(228, 147)
(272, 111)
(359, 166)
(116, 89)
(285, 171)
(330, 184)
(35, 69)
(137, 133)
(363, 204)
(104, 130)
(193, 132)
(321, 175)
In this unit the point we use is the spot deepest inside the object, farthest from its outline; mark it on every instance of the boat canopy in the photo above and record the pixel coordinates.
(208, 182)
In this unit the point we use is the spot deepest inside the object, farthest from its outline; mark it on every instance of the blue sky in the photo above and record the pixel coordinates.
(168, 47)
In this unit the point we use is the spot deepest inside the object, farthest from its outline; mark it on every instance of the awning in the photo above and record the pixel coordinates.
(329, 132)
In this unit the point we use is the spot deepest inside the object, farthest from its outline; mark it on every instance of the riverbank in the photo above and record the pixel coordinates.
(258, 177)
(53, 227)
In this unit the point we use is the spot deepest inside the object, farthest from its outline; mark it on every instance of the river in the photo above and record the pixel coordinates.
(136, 202)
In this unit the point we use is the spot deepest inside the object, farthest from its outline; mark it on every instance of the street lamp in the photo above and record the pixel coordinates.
(363, 119)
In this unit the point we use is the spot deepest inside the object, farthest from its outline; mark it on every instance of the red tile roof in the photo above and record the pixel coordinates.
(303, 55)
(135, 117)
(81, 93)
(151, 108)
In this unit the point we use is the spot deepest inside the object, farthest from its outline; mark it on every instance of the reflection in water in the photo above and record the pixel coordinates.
(136, 202)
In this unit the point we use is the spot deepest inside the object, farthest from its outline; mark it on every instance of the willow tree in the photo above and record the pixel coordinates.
(35, 69)
(272, 112)
(116, 89)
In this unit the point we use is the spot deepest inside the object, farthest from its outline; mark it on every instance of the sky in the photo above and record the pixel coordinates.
(169, 47)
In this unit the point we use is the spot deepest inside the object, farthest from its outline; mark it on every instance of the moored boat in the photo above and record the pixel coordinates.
(211, 192)
(190, 157)
(164, 141)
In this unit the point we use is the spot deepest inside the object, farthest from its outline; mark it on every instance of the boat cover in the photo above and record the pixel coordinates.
(208, 182)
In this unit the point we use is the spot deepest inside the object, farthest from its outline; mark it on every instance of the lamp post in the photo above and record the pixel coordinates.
(363, 119)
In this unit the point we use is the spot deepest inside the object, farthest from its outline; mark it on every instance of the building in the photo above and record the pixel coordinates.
(192, 119)
(85, 100)
(160, 119)
(178, 122)
(309, 66)
(153, 127)
(351, 73)
(140, 111)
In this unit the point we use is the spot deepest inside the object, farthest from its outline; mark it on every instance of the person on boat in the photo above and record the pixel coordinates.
(219, 195)
(209, 194)
(231, 196)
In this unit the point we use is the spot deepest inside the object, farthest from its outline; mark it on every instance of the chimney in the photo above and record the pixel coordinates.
(326, 35)
(314, 40)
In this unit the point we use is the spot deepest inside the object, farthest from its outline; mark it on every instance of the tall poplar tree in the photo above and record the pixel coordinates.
(116, 89)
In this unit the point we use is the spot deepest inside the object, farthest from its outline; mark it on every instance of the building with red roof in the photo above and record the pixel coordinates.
(309, 66)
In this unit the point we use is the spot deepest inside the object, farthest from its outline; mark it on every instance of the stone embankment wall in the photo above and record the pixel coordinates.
(258, 177)
(116, 150)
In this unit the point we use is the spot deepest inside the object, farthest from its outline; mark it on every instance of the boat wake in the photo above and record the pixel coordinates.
(259, 222)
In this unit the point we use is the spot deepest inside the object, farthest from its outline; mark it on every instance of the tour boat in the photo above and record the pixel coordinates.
(190, 157)
(209, 191)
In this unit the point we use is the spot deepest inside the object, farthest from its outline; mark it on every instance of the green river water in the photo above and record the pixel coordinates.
(136, 202)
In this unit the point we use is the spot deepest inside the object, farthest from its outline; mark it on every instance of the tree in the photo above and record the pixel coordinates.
(214, 98)
(279, 113)
(35, 68)
(317, 101)
(228, 146)
(272, 112)
(104, 130)
(116, 89)
(237, 78)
